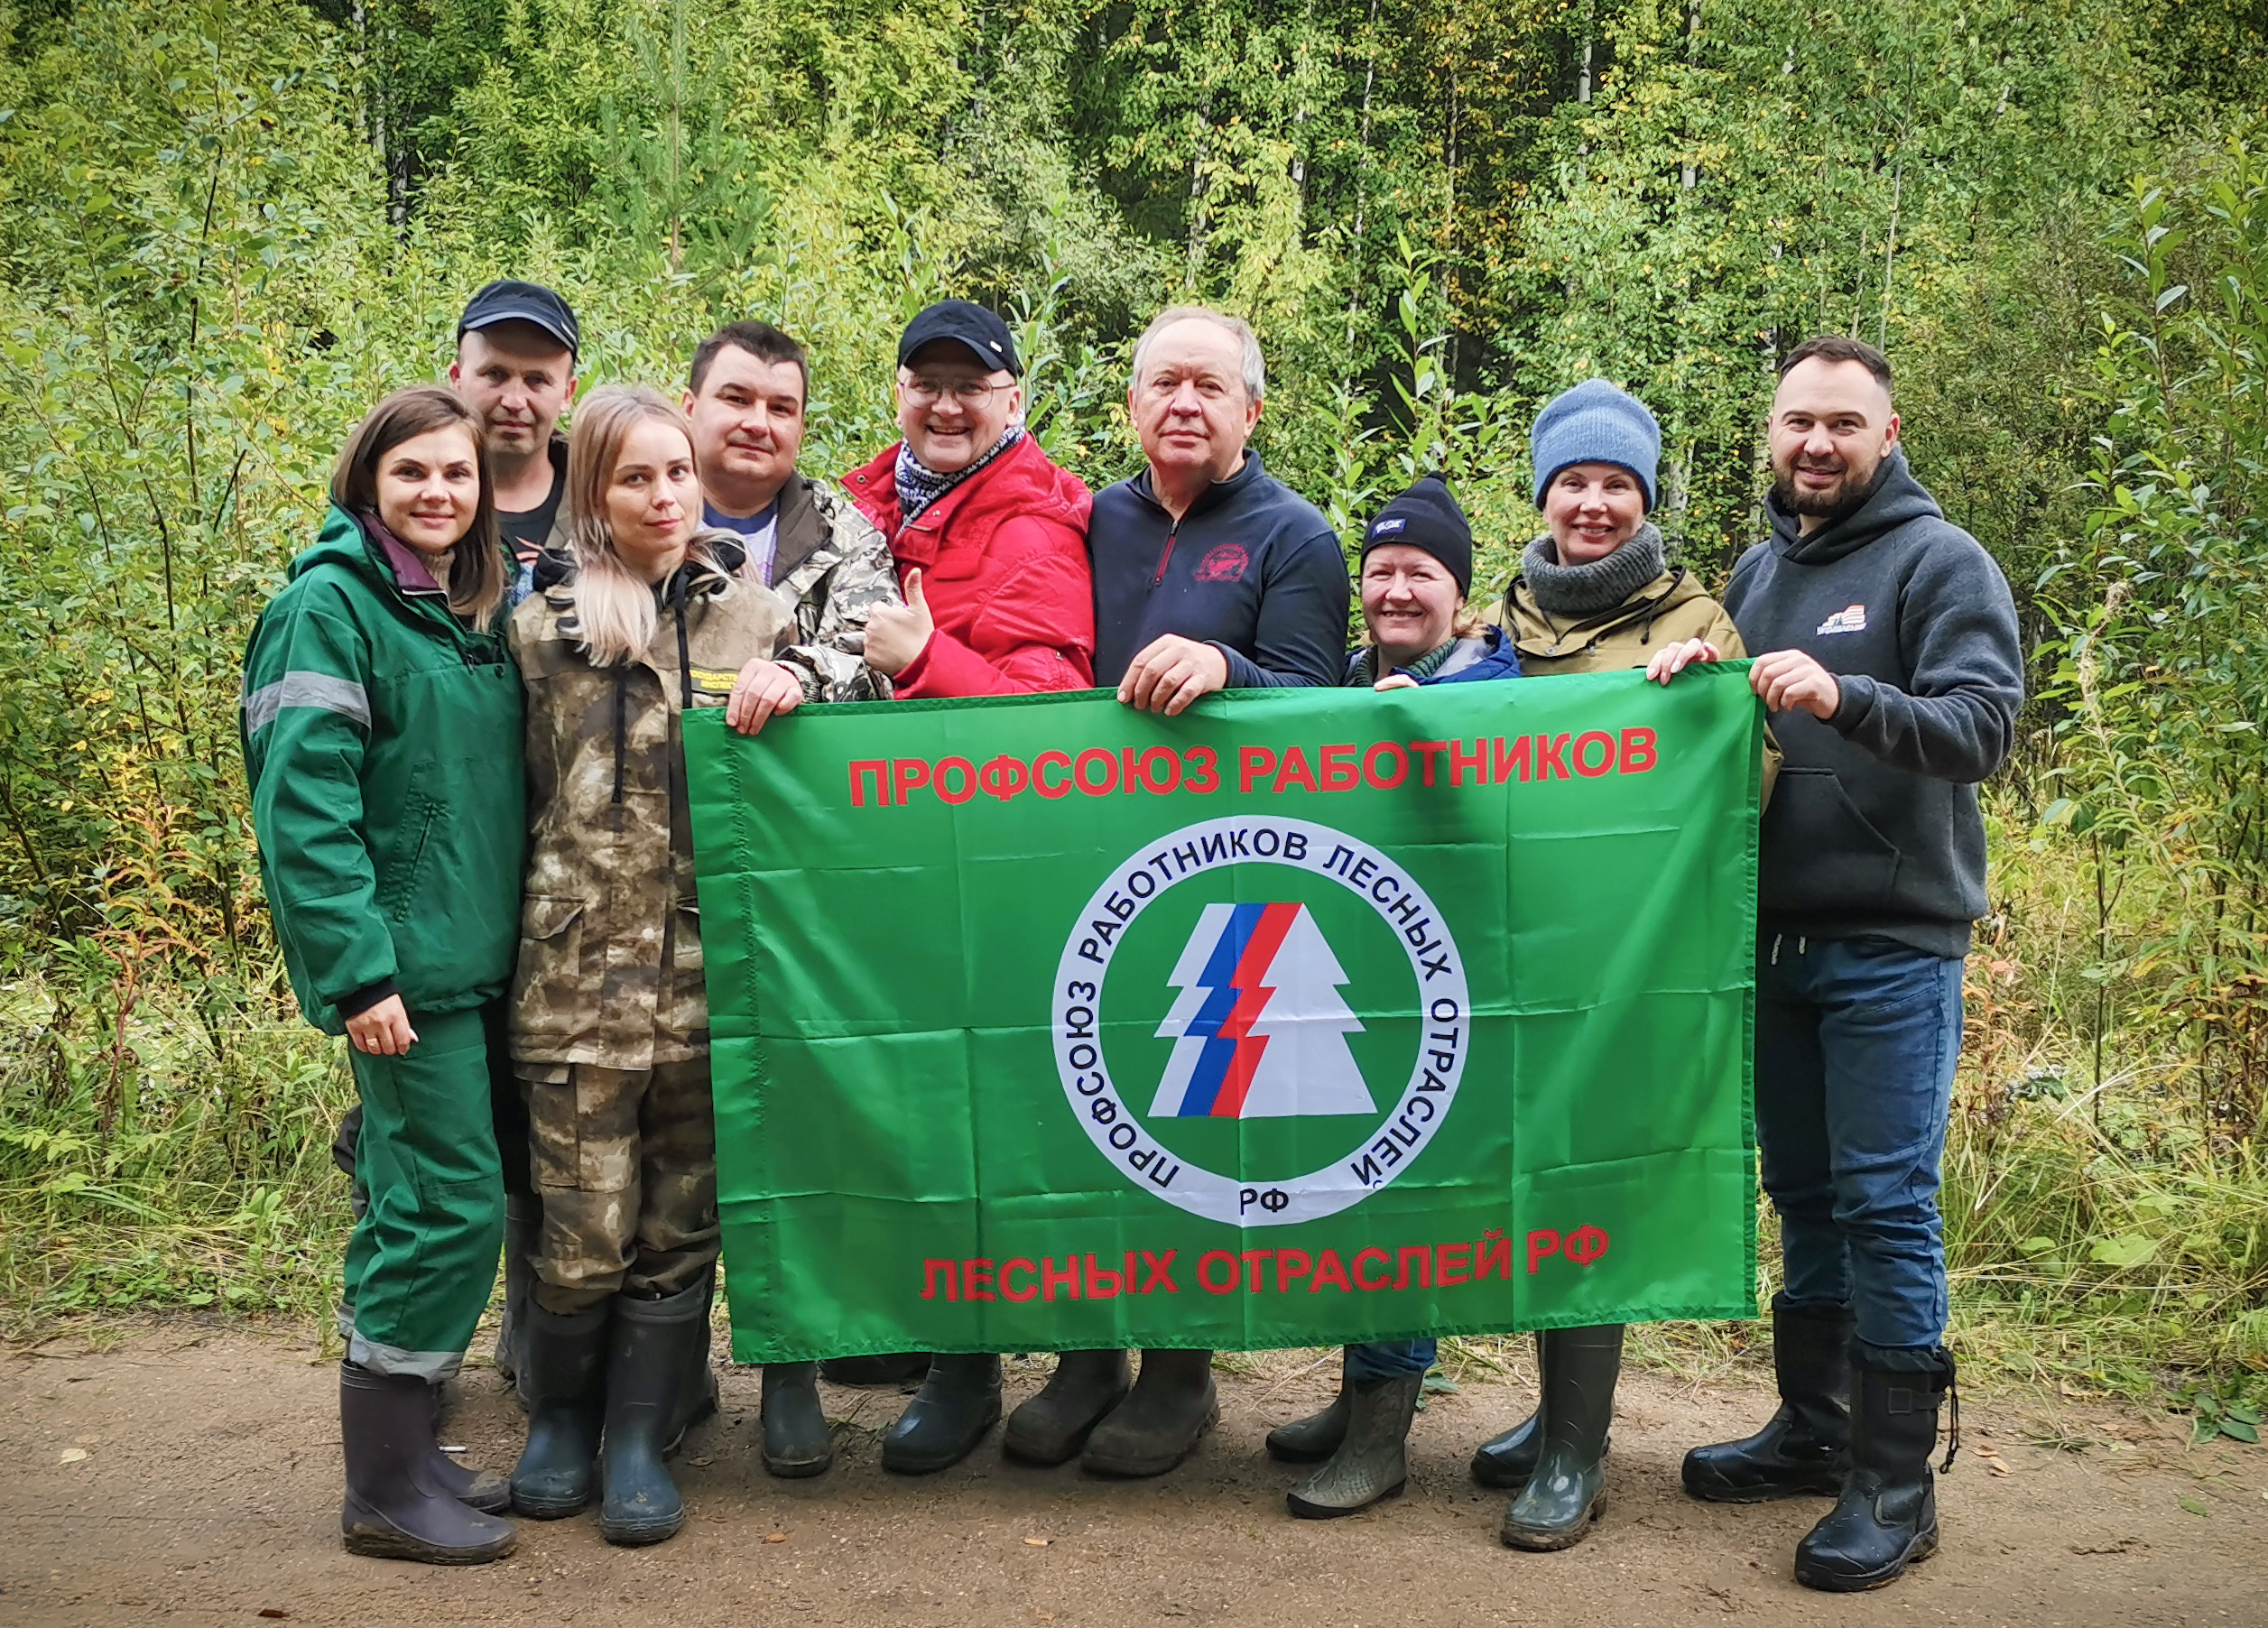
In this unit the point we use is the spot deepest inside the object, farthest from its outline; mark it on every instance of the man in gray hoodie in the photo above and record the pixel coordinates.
(1892, 674)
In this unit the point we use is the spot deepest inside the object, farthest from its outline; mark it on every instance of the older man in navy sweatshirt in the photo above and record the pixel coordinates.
(1892, 674)
(1209, 574)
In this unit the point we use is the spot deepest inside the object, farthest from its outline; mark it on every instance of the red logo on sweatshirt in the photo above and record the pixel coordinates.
(1223, 562)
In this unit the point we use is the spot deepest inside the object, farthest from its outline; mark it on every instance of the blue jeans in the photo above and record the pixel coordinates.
(1855, 1043)
(1384, 1359)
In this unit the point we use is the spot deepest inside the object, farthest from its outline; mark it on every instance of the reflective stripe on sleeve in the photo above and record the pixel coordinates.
(317, 690)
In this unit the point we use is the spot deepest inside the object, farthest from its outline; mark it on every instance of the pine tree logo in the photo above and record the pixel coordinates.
(1259, 1027)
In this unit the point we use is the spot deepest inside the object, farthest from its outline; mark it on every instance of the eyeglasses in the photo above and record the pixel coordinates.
(968, 392)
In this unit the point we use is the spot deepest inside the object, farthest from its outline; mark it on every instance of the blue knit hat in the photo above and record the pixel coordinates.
(1596, 423)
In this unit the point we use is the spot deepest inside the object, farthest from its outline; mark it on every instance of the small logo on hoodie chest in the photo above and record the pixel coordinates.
(1850, 619)
(1223, 562)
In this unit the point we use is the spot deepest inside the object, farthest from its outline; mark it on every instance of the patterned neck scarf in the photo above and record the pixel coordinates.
(918, 485)
(1423, 668)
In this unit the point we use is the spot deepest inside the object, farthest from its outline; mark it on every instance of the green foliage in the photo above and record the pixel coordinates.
(2161, 666)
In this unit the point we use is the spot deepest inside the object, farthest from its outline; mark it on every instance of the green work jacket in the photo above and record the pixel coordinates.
(383, 741)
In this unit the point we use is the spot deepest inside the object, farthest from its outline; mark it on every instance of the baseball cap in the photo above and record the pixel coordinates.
(509, 301)
(986, 336)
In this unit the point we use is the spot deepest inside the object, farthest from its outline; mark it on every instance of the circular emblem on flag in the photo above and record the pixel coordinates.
(1230, 1008)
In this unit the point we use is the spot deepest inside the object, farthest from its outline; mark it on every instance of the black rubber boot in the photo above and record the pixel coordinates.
(796, 1440)
(947, 1417)
(1887, 1515)
(895, 1368)
(1804, 1449)
(655, 1357)
(565, 1376)
(1505, 1463)
(1371, 1462)
(1052, 1428)
(1171, 1405)
(396, 1507)
(1564, 1495)
(1314, 1438)
(522, 1231)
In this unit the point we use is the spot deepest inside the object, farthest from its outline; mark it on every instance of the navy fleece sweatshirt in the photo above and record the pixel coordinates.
(1874, 826)
(1253, 569)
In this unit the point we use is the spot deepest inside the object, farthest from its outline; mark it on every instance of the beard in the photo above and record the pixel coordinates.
(1829, 507)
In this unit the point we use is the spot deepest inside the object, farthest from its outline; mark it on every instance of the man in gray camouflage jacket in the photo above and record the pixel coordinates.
(746, 398)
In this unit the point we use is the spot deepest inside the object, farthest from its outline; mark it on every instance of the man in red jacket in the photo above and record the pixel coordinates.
(990, 537)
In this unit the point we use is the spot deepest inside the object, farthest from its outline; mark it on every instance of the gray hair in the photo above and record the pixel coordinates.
(1256, 375)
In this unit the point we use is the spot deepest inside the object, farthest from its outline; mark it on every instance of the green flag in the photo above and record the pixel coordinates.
(1309, 1016)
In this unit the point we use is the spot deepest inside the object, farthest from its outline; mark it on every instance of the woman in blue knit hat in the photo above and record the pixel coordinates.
(1593, 595)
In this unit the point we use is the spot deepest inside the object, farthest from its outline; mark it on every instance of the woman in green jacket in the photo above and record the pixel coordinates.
(382, 739)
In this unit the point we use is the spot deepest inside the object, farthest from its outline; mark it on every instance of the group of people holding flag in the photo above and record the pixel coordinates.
(463, 725)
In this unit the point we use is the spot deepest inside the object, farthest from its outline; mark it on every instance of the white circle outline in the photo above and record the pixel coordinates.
(1319, 1193)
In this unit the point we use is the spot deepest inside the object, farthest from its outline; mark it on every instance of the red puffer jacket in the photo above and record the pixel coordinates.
(1004, 567)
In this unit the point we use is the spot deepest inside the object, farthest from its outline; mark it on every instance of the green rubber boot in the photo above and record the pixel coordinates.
(1555, 1509)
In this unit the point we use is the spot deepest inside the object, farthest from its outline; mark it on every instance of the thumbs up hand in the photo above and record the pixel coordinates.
(897, 633)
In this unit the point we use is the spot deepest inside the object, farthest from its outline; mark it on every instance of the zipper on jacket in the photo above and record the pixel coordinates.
(684, 656)
(1166, 559)
(622, 713)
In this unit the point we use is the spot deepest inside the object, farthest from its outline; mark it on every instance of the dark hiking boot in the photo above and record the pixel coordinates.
(1887, 1515)
(1804, 1449)
(1053, 1427)
(656, 1364)
(565, 1377)
(522, 1231)
(947, 1417)
(892, 1368)
(1314, 1438)
(396, 1507)
(1171, 1405)
(1564, 1494)
(1370, 1462)
(796, 1440)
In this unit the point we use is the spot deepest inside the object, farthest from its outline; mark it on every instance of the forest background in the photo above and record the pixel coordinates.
(228, 226)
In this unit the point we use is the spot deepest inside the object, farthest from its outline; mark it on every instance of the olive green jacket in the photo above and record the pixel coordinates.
(1669, 610)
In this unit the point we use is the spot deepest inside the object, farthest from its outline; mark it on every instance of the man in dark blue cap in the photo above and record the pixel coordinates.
(516, 347)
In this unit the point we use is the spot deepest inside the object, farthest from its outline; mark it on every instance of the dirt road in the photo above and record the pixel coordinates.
(190, 1476)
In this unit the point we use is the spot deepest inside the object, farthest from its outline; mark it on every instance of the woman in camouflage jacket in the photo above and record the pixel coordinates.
(609, 1010)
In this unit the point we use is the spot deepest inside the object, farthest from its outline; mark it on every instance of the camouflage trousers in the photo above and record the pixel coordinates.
(625, 1162)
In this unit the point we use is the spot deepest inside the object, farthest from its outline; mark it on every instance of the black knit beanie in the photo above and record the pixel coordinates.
(1427, 517)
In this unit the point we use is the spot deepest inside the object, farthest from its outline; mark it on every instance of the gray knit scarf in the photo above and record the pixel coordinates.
(1586, 590)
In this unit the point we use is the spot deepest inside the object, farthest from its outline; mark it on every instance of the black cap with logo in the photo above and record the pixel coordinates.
(986, 336)
(1427, 518)
(530, 303)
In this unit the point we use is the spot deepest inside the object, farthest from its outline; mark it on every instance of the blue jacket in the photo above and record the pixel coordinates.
(1488, 654)
(1253, 569)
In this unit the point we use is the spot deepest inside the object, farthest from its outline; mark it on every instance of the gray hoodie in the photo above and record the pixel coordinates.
(1874, 827)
